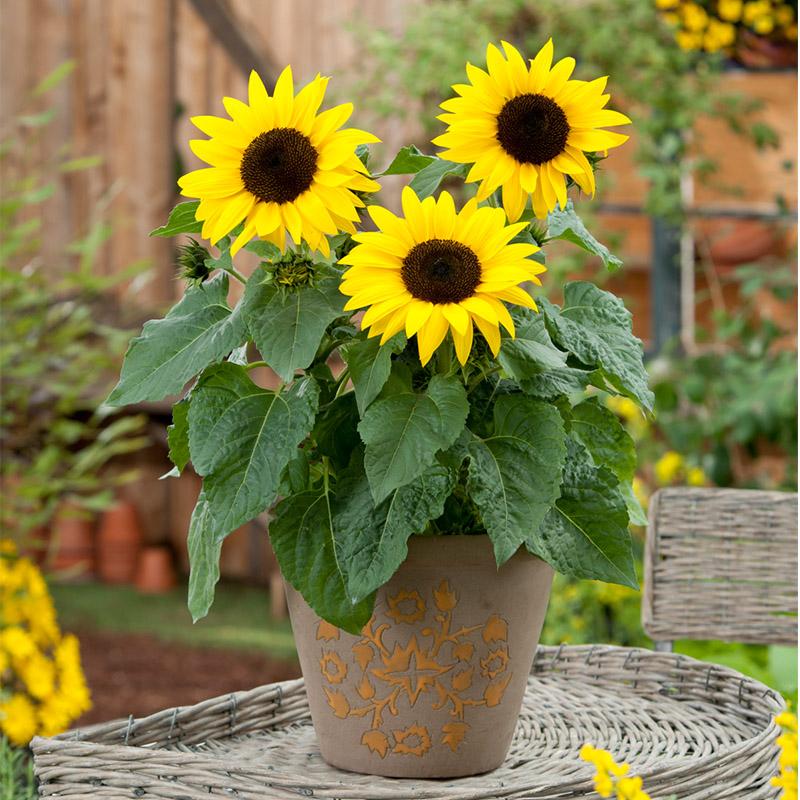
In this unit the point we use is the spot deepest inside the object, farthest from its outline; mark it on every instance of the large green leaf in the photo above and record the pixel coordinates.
(287, 325)
(596, 327)
(531, 350)
(198, 331)
(610, 446)
(586, 534)
(370, 365)
(427, 180)
(373, 539)
(302, 535)
(182, 219)
(566, 224)
(514, 475)
(241, 437)
(204, 549)
(404, 432)
(336, 429)
(178, 435)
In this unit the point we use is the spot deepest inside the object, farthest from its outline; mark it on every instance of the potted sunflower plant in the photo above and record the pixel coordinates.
(424, 488)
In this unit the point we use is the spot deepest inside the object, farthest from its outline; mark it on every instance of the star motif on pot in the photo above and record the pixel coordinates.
(458, 666)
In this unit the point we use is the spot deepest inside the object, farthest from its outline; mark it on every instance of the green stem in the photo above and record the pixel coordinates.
(482, 376)
(444, 359)
(255, 364)
(236, 274)
(341, 383)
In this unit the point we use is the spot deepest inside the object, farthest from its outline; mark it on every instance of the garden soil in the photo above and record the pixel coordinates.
(139, 674)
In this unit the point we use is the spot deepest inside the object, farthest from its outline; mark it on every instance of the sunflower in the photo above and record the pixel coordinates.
(277, 165)
(525, 128)
(436, 268)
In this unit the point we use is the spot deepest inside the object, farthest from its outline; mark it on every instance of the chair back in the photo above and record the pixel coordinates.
(721, 564)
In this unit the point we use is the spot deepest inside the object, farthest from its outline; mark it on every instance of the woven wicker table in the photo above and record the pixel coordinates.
(688, 728)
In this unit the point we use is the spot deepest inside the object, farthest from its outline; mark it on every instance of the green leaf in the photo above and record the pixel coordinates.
(204, 549)
(181, 220)
(514, 475)
(551, 383)
(373, 539)
(566, 224)
(287, 326)
(596, 327)
(198, 331)
(427, 180)
(370, 365)
(586, 534)
(53, 78)
(610, 446)
(178, 435)
(404, 432)
(264, 250)
(531, 350)
(336, 430)
(295, 475)
(409, 159)
(302, 535)
(241, 437)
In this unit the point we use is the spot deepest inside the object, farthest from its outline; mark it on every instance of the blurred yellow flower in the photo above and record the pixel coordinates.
(763, 25)
(666, 5)
(695, 17)
(611, 779)
(730, 10)
(42, 682)
(787, 762)
(688, 41)
(784, 16)
(668, 467)
(696, 477)
(755, 9)
(18, 719)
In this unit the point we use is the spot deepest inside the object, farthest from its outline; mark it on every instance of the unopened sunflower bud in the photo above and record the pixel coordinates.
(192, 262)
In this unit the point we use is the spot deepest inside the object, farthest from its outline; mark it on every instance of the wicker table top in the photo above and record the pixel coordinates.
(688, 728)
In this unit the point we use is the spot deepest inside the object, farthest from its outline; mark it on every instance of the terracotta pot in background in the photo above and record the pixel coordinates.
(155, 573)
(761, 52)
(119, 541)
(433, 686)
(72, 542)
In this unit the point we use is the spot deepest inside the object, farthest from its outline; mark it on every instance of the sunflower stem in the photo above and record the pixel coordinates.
(236, 274)
(341, 383)
(444, 360)
(255, 364)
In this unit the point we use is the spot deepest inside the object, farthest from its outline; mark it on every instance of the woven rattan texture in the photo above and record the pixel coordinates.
(721, 564)
(695, 729)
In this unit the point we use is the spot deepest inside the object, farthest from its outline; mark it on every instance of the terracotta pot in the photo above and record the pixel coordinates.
(72, 537)
(433, 686)
(155, 573)
(761, 52)
(119, 541)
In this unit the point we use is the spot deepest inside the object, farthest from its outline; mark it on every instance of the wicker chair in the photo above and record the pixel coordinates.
(721, 564)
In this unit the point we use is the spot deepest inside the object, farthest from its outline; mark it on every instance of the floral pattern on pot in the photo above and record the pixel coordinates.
(444, 662)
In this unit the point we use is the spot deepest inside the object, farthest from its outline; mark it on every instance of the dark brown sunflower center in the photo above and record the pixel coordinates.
(532, 128)
(441, 271)
(278, 165)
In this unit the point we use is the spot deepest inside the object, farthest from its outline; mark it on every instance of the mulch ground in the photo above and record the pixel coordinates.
(139, 674)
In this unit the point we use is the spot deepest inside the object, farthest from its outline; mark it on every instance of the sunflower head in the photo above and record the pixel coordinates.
(278, 165)
(526, 127)
(435, 269)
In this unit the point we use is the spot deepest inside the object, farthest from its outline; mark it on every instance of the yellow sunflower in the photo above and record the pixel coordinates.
(278, 166)
(436, 268)
(525, 127)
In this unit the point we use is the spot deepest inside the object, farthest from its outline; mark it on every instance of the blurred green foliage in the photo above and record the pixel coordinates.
(58, 352)
(16, 773)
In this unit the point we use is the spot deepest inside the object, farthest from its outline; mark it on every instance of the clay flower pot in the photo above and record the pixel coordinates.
(72, 537)
(433, 686)
(155, 573)
(119, 541)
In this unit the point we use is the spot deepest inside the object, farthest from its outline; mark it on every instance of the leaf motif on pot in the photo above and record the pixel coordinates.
(453, 734)
(338, 702)
(494, 692)
(495, 630)
(442, 662)
(326, 632)
(376, 741)
(444, 597)
(462, 680)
